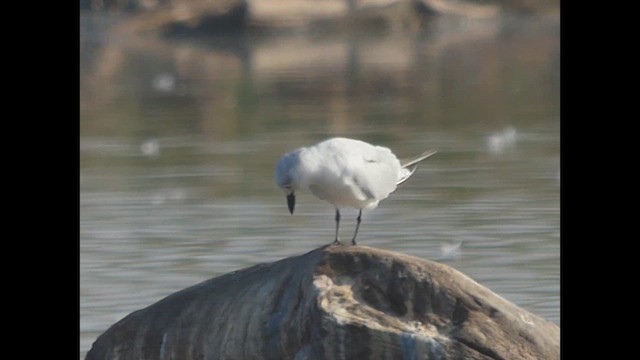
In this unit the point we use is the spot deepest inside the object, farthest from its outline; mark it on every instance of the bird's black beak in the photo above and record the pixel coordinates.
(291, 202)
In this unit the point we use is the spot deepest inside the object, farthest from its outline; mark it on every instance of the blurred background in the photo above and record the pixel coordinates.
(186, 107)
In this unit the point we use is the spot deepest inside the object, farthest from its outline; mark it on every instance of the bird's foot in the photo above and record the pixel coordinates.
(353, 242)
(336, 242)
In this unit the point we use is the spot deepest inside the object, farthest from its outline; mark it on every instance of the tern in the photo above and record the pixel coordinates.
(346, 173)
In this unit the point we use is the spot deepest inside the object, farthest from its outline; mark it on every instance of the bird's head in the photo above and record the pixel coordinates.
(287, 177)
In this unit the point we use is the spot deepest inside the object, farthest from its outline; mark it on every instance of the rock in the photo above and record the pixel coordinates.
(336, 302)
(209, 18)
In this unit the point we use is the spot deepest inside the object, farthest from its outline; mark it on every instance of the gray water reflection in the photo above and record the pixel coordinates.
(179, 142)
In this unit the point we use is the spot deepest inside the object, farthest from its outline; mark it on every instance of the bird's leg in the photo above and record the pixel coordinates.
(337, 241)
(353, 241)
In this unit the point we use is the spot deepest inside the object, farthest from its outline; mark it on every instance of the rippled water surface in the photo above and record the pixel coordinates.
(179, 141)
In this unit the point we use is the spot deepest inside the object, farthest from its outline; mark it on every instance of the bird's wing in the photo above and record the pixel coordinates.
(374, 171)
(406, 163)
(411, 164)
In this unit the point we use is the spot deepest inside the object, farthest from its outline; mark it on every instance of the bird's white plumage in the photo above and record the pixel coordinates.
(343, 172)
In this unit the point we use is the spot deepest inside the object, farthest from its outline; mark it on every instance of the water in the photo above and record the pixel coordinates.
(179, 141)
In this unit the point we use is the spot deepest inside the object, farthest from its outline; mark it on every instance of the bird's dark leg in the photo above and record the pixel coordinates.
(337, 241)
(353, 241)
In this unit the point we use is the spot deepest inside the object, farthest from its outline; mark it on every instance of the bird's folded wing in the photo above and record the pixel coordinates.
(416, 159)
(411, 164)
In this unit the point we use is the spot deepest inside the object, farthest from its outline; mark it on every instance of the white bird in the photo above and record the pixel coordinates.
(346, 173)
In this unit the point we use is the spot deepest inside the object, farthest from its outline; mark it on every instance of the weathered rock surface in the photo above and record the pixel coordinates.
(336, 302)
